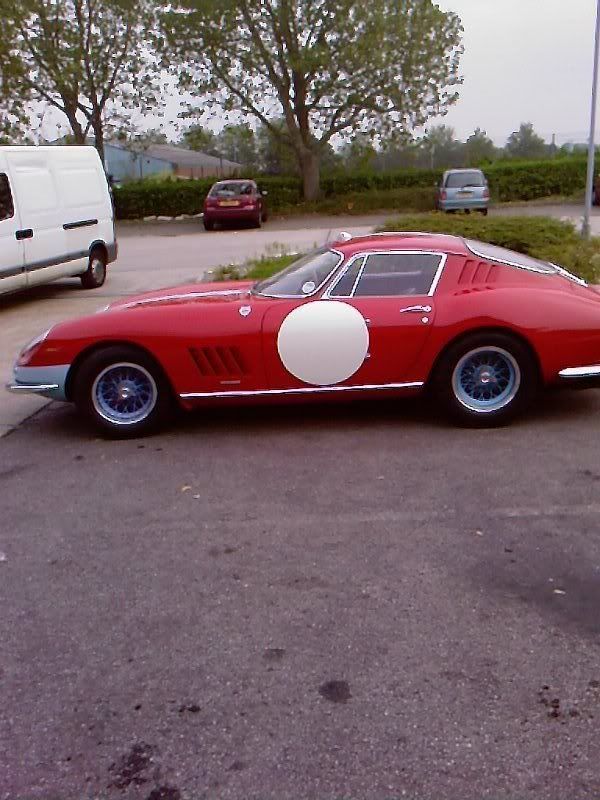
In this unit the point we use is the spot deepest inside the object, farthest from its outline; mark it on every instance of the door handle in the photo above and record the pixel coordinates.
(25, 233)
(417, 309)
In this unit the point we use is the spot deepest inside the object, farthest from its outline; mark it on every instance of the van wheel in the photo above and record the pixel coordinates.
(122, 392)
(95, 274)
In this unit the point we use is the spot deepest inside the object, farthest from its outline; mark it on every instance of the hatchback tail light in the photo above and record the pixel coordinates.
(486, 194)
(443, 195)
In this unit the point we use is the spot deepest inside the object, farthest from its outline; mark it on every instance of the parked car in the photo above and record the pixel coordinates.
(56, 217)
(235, 201)
(463, 190)
(481, 327)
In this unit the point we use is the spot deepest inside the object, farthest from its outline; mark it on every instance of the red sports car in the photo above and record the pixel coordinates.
(483, 328)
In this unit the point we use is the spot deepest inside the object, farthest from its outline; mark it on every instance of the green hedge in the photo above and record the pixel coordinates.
(509, 181)
(541, 237)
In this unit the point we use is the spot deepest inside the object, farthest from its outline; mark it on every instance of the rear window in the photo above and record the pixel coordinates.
(231, 189)
(504, 256)
(7, 209)
(460, 180)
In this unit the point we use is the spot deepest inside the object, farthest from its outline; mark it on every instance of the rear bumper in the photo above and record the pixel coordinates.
(47, 381)
(461, 205)
(216, 214)
(587, 377)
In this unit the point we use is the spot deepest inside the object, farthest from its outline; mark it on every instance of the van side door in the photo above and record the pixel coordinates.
(12, 256)
(41, 215)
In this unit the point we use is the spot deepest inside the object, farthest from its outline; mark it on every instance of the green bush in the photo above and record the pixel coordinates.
(541, 237)
(408, 189)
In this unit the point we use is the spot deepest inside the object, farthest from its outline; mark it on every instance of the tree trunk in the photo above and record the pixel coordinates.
(76, 127)
(98, 129)
(310, 165)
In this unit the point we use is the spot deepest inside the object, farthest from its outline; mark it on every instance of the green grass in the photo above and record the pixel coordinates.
(255, 269)
(541, 237)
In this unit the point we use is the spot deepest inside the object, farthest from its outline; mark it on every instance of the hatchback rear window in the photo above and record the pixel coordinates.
(231, 189)
(460, 180)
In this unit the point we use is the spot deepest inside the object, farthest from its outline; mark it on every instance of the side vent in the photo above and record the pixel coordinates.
(219, 362)
(477, 272)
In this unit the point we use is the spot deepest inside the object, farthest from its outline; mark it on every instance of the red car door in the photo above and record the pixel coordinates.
(390, 297)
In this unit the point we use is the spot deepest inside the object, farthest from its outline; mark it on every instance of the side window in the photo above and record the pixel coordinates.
(343, 288)
(389, 274)
(7, 208)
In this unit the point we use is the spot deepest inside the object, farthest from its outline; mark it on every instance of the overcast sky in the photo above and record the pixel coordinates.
(525, 61)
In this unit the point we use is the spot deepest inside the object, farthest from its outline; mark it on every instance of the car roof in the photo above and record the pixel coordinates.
(234, 180)
(404, 240)
(464, 169)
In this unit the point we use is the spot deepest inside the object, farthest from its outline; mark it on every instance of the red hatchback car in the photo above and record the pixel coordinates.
(482, 328)
(234, 201)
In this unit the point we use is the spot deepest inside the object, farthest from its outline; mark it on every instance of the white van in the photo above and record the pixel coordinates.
(56, 217)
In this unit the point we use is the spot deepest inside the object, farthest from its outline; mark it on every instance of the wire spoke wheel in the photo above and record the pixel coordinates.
(486, 379)
(124, 393)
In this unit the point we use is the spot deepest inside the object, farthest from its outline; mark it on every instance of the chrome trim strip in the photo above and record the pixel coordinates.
(591, 371)
(32, 387)
(311, 390)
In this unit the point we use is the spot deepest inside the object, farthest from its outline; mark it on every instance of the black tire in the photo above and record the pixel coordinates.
(209, 225)
(257, 221)
(95, 274)
(484, 211)
(511, 358)
(101, 409)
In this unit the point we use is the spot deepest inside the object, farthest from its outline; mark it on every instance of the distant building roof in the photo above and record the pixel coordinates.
(190, 158)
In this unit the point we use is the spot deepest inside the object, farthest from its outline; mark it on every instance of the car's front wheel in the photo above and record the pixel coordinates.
(122, 392)
(486, 379)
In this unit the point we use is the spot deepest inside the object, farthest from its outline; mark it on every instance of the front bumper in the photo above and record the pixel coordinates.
(47, 381)
(587, 377)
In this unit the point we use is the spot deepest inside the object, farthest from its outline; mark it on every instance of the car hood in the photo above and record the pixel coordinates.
(221, 292)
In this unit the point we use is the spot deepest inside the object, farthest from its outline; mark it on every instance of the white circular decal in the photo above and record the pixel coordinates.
(323, 342)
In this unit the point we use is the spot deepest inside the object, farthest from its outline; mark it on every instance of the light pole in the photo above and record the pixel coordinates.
(585, 230)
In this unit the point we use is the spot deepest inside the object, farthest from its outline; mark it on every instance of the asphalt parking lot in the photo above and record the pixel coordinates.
(344, 601)
(338, 602)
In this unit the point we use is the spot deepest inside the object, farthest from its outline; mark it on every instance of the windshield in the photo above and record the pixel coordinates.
(303, 277)
(230, 189)
(458, 180)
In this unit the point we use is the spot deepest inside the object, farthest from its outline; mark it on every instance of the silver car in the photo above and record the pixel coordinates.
(463, 190)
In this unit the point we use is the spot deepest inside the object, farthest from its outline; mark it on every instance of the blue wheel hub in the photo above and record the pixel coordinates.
(486, 379)
(124, 394)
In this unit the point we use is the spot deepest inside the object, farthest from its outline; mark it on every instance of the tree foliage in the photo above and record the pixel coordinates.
(82, 57)
(327, 67)
(525, 143)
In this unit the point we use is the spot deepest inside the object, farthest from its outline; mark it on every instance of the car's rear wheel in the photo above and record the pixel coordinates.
(257, 221)
(122, 392)
(95, 274)
(209, 225)
(486, 379)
